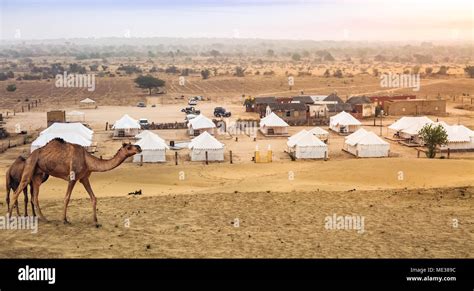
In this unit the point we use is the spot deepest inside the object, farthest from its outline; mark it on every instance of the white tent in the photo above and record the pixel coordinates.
(206, 143)
(72, 116)
(408, 127)
(87, 103)
(126, 126)
(148, 133)
(306, 146)
(273, 125)
(320, 133)
(366, 144)
(70, 137)
(201, 124)
(76, 128)
(153, 149)
(459, 137)
(344, 122)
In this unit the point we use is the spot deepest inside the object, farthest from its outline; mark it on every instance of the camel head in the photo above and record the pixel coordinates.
(129, 149)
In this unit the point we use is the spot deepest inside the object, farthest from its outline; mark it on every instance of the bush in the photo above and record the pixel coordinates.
(11, 88)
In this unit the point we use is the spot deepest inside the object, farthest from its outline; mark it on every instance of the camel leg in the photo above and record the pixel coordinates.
(25, 192)
(32, 203)
(87, 186)
(66, 199)
(35, 197)
(14, 201)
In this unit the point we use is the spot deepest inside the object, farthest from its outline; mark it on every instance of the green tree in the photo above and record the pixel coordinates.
(239, 72)
(11, 88)
(433, 136)
(470, 71)
(270, 53)
(149, 82)
(296, 57)
(205, 74)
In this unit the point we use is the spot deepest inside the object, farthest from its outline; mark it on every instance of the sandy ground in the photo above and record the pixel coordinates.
(397, 224)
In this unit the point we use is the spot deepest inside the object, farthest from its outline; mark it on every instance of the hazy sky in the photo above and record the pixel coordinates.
(419, 20)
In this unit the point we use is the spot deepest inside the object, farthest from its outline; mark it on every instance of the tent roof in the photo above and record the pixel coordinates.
(70, 137)
(273, 120)
(306, 139)
(457, 133)
(149, 133)
(364, 137)
(298, 134)
(344, 118)
(205, 141)
(74, 127)
(87, 100)
(201, 121)
(126, 122)
(409, 121)
(318, 130)
(152, 142)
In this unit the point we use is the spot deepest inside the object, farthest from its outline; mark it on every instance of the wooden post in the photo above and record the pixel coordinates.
(417, 153)
(231, 157)
(207, 161)
(106, 126)
(449, 152)
(176, 158)
(22, 110)
(326, 156)
(141, 160)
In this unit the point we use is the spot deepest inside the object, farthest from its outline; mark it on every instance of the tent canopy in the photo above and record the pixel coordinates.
(457, 133)
(273, 120)
(146, 133)
(344, 118)
(70, 137)
(58, 128)
(318, 131)
(126, 122)
(152, 142)
(87, 101)
(364, 137)
(305, 139)
(410, 122)
(200, 122)
(205, 141)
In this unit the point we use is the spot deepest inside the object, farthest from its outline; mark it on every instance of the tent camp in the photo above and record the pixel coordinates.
(408, 127)
(304, 145)
(87, 104)
(126, 126)
(344, 122)
(200, 124)
(70, 137)
(206, 143)
(153, 149)
(366, 144)
(75, 116)
(320, 133)
(273, 125)
(459, 137)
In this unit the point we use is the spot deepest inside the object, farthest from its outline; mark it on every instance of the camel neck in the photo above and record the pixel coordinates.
(99, 165)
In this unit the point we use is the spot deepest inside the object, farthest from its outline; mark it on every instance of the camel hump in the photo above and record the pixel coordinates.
(58, 139)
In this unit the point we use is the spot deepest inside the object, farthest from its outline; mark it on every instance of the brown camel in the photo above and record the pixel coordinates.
(69, 162)
(13, 178)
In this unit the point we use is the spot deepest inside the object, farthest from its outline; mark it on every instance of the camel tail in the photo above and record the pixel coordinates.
(28, 172)
(7, 184)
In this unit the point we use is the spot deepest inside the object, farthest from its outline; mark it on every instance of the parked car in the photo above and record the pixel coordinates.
(190, 110)
(144, 123)
(141, 104)
(221, 112)
(192, 102)
(198, 98)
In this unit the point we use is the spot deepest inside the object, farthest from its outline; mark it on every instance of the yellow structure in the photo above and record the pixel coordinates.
(268, 157)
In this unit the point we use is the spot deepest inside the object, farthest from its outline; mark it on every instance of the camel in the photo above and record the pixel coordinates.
(71, 163)
(13, 178)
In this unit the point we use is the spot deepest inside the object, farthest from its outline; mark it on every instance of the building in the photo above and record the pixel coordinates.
(55, 116)
(366, 144)
(261, 103)
(335, 104)
(380, 100)
(343, 122)
(415, 107)
(206, 145)
(362, 106)
(291, 113)
(304, 145)
(273, 125)
(303, 99)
